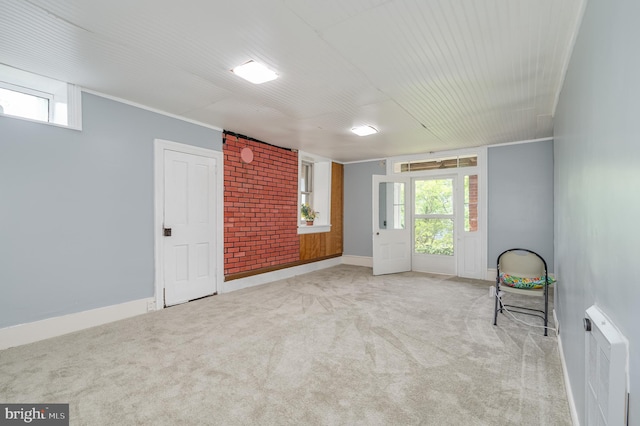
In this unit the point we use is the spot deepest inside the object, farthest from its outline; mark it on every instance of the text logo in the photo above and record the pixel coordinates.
(34, 414)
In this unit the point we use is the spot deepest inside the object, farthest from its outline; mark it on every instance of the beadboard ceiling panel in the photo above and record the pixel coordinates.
(429, 74)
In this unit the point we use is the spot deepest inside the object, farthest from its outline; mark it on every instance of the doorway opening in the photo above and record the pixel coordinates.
(433, 211)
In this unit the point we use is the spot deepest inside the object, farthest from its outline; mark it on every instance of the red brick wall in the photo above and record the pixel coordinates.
(473, 203)
(260, 206)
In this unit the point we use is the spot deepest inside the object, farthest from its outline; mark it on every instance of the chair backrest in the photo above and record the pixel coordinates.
(522, 263)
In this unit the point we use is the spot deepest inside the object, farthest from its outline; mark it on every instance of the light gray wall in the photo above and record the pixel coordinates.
(597, 187)
(520, 200)
(76, 209)
(357, 206)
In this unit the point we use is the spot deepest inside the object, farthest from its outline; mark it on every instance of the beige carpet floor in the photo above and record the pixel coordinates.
(333, 347)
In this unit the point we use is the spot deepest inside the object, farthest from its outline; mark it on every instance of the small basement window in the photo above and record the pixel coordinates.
(33, 97)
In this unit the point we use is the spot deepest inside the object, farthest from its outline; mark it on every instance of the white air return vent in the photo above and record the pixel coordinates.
(607, 371)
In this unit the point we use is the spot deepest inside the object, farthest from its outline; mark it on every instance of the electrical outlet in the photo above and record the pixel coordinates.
(151, 306)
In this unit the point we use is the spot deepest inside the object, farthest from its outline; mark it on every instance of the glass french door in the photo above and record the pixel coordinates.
(434, 225)
(447, 237)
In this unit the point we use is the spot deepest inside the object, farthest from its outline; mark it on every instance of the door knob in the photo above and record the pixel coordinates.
(166, 232)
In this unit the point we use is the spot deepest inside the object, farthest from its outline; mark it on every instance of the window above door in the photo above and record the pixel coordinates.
(29, 96)
(421, 165)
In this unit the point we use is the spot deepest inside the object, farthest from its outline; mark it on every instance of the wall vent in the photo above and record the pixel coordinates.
(607, 371)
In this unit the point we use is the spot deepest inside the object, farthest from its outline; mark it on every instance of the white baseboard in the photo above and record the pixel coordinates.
(491, 274)
(280, 274)
(357, 260)
(51, 327)
(567, 384)
(23, 334)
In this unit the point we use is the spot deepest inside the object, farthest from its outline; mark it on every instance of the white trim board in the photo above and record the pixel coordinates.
(567, 384)
(497, 145)
(280, 274)
(150, 109)
(23, 334)
(357, 260)
(52, 327)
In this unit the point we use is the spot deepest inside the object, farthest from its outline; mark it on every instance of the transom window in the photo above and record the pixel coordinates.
(24, 104)
(34, 97)
(435, 164)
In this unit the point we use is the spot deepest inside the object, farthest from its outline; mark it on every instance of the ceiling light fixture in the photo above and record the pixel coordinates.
(364, 130)
(254, 72)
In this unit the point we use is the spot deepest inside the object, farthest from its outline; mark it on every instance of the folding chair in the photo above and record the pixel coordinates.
(522, 271)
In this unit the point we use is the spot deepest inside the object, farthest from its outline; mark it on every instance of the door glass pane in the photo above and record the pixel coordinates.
(434, 196)
(434, 236)
(391, 205)
(471, 203)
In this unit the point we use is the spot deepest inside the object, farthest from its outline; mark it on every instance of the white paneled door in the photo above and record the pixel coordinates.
(391, 230)
(189, 227)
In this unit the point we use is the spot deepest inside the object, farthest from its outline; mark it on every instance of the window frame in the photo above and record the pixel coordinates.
(435, 216)
(306, 192)
(320, 193)
(477, 238)
(64, 99)
(30, 92)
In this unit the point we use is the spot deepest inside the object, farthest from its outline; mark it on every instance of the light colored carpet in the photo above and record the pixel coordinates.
(333, 347)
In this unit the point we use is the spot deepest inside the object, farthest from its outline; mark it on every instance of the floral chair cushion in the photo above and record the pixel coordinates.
(525, 283)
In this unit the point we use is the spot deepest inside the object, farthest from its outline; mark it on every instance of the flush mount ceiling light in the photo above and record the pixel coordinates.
(254, 72)
(364, 130)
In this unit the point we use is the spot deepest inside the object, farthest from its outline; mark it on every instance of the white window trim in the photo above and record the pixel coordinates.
(36, 85)
(321, 193)
(432, 156)
(314, 229)
(31, 92)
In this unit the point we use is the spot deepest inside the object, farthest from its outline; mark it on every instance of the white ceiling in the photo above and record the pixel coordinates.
(431, 75)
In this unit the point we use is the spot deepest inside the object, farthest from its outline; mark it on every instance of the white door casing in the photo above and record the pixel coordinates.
(470, 258)
(470, 255)
(188, 202)
(391, 227)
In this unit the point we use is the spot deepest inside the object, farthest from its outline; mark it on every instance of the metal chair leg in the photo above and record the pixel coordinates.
(495, 313)
(546, 308)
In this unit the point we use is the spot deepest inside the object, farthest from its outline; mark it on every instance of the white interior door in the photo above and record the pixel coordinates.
(189, 234)
(391, 231)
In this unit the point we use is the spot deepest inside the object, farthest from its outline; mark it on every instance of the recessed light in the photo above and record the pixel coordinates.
(364, 130)
(255, 72)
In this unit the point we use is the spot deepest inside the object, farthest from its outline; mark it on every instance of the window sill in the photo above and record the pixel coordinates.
(48, 123)
(313, 229)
